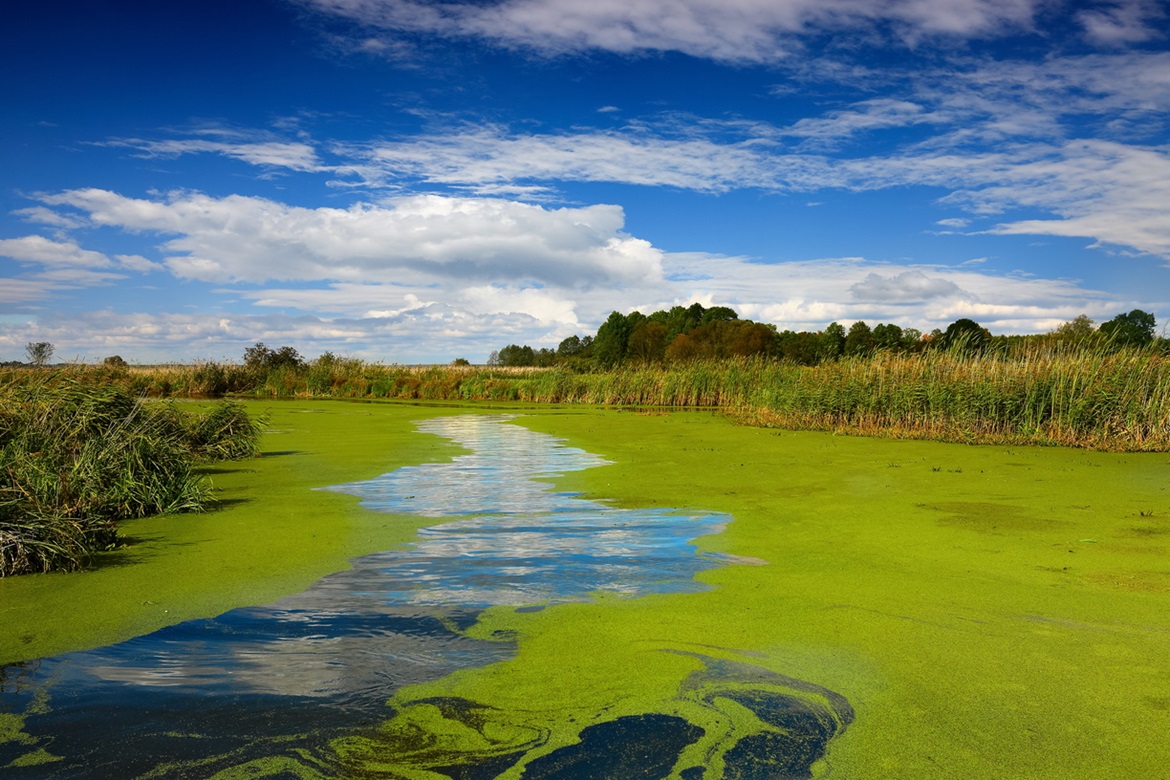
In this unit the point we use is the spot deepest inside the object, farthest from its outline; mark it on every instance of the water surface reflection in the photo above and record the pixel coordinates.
(280, 681)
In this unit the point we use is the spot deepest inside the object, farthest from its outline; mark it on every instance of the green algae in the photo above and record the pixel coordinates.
(943, 591)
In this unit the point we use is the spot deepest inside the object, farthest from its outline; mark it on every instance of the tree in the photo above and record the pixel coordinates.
(257, 355)
(260, 357)
(718, 314)
(647, 341)
(964, 335)
(461, 362)
(1077, 329)
(612, 340)
(888, 337)
(516, 355)
(114, 361)
(39, 352)
(1135, 329)
(569, 347)
(832, 342)
(801, 348)
(859, 340)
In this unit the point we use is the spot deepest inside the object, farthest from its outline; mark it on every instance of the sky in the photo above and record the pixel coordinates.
(413, 182)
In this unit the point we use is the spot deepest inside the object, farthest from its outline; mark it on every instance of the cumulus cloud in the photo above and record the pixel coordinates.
(412, 239)
(45, 251)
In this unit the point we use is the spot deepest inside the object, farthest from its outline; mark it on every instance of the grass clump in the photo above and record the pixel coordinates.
(76, 457)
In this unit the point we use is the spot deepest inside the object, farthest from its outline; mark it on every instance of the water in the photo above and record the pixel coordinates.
(282, 680)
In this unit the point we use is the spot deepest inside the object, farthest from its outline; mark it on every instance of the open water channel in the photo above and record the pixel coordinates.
(266, 690)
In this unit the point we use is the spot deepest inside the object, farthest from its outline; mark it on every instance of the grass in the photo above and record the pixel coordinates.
(1112, 400)
(77, 457)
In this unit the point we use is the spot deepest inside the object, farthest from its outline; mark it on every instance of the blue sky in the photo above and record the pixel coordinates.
(413, 181)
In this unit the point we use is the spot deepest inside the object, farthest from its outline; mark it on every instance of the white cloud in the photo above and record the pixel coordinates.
(292, 155)
(38, 249)
(863, 117)
(138, 263)
(44, 216)
(485, 157)
(1123, 22)
(405, 240)
(726, 30)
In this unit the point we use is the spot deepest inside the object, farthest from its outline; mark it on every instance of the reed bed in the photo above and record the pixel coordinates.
(1115, 400)
(77, 456)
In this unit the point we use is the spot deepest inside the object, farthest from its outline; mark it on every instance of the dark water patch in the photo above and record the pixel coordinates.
(634, 746)
(728, 720)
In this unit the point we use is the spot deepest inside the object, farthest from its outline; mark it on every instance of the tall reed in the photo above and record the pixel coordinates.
(1105, 399)
(77, 456)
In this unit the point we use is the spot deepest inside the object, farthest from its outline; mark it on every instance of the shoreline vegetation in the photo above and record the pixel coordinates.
(1104, 400)
(79, 454)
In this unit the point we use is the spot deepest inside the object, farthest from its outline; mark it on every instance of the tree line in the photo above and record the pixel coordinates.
(696, 332)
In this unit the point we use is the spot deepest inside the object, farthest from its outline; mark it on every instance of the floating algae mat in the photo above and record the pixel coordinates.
(300, 687)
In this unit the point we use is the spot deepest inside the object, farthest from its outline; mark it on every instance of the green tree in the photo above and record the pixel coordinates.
(569, 347)
(888, 337)
(612, 340)
(679, 319)
(859, 340)
(718, 314)
(965, 335)
(260, 357)
(516, 355)
(832, 342)
(800, 348)
(1135, 329)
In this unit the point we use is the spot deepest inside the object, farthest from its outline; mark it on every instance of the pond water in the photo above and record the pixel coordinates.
(278, 684)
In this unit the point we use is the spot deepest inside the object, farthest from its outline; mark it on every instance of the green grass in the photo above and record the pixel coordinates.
(77, 457)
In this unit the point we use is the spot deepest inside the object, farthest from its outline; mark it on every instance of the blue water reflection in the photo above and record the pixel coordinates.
(282, 680)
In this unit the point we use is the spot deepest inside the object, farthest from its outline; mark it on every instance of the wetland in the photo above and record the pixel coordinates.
(624, 595)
